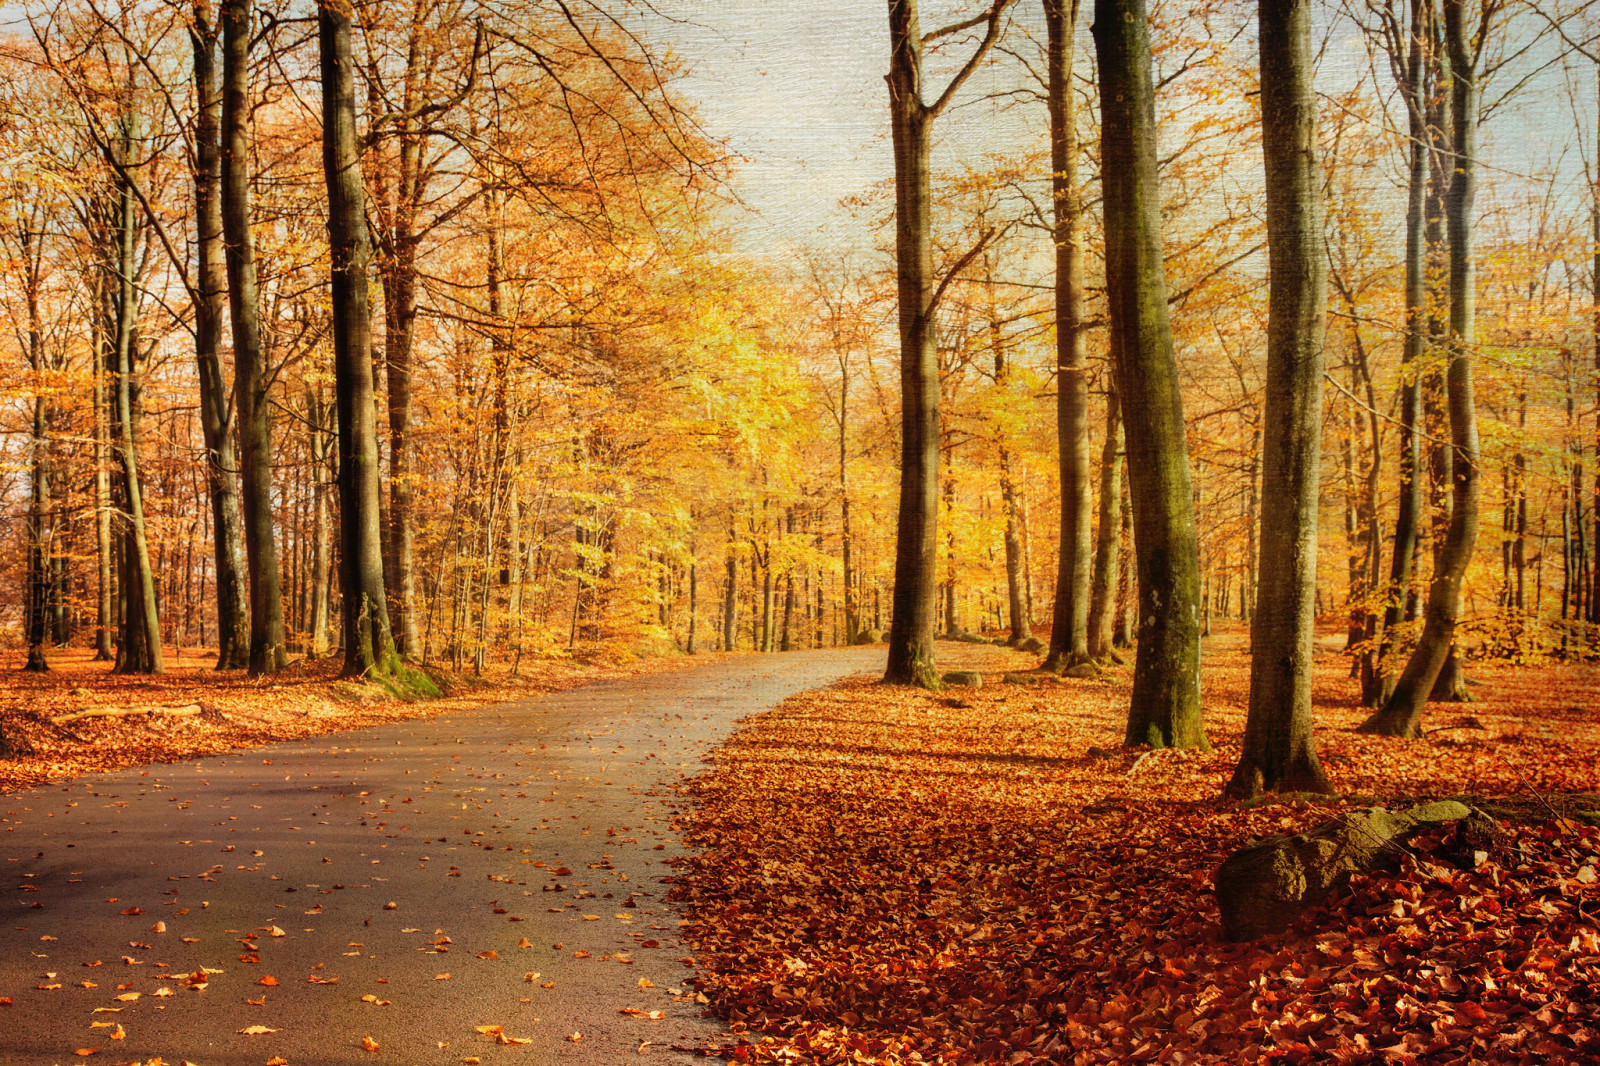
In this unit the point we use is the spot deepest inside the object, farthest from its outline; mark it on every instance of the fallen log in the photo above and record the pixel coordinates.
(186, 710)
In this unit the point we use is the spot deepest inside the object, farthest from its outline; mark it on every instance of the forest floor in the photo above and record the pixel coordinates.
(305, 699)
(987, 876)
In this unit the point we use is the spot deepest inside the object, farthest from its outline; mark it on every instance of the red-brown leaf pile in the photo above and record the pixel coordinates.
(896, 876)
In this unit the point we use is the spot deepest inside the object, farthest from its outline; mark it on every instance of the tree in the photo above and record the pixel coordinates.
(1165, 704)
(1069, 637)
(267, 650)
(1401, 714)
(1278, 754)
(210, 297)
(911, 659)
(368, 642)
(139, 649)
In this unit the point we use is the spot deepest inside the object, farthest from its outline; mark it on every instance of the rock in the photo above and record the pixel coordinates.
(1085, 671)
(883, 635)
(1033, 646)
(963, 677)
(868, 636)
(1096, 752)
(80, 692)
(1265, 885)
(1024, 679)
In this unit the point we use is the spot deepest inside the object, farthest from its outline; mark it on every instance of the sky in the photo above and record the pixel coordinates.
(796, 87)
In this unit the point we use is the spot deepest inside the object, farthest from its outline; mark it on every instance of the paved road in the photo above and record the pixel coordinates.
(378, 884)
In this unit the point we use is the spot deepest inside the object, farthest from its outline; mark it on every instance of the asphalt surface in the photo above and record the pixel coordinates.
(378, 885)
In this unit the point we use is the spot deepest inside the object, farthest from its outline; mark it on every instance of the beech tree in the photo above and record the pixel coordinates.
(1165, 703)
(1465, 35)
(1069, 635)
(1278, 754)
(210, 299)
(369, 649)
(911, 658)
(267, 649)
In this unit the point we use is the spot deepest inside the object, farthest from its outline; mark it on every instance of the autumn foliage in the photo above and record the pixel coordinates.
(980, 876)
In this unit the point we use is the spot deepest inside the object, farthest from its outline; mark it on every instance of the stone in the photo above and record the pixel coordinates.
(1024, 679)
(1097, 752)
(1265, 885)
(868, 636)
(1033, 646)
(964, 677)
(1085, 671)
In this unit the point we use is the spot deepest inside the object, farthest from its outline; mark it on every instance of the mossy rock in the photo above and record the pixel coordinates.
(970, 678)
(1084, 671)
(1025, 679)
(1264, 886)
(869, 636)
(1033, 646)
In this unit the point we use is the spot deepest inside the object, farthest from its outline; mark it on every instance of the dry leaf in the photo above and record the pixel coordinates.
(369, 1044)
(257, 1030)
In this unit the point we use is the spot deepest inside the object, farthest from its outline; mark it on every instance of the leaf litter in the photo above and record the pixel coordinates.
(984, 875)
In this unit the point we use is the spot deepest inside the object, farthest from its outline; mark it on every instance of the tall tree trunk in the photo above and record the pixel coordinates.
(105, 615)
(1165, 706)
(911, 658)
(400, 314)
(1069, 634)
(1278, 754)
(1413, 89)
(1108, 536)
(369, 645)
(321, 544)
(211, 299)
(267, 649)
(139, 651)
(730, 595)
(1402, 714)
(1010, 497)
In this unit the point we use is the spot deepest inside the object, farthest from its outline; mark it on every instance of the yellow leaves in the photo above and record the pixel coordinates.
(369, 1044)
(491, 954)
(370, 998)
(257, 1030)
(268, 980)
(653, 1015)
(277, 1060)
(524, 943)
(128, 997)
(441, 977)
(645, 982)
(530, 977)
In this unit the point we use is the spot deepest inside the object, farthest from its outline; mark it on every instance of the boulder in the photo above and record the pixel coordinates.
(1024, 679)
(1033, 645)
(1084, 671)
(869, 636)
(1265, 885)
(963, 677)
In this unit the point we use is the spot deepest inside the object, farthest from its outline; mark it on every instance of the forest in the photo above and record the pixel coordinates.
(1146, 426)
(596, 422)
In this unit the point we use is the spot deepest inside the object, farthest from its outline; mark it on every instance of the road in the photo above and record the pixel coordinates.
(397, 885)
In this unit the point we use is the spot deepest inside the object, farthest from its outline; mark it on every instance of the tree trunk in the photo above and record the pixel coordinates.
(911, 659)
(1278, 754)
(1069, 635)
(1402, 714)
(1165, 707)
(139, 650)
(1108, 538)
(267, 651)
(1416, 293)
(369, 645)
(321, 545)
(105, 615)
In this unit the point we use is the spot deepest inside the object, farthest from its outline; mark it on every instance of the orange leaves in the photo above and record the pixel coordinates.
(968, 883)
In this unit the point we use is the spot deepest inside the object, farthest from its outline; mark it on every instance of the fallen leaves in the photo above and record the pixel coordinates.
(886, 874)
(257, 1030)
(369, 1044)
